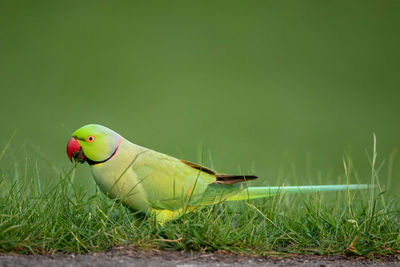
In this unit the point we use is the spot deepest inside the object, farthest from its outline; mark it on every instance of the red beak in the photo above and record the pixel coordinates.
(73, 147)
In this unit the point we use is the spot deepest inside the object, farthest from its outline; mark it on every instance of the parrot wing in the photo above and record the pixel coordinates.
(171, 183)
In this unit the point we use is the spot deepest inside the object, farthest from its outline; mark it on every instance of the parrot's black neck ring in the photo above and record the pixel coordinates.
(92, 162)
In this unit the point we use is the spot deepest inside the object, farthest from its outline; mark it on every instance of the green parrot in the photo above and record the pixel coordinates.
(161, 185)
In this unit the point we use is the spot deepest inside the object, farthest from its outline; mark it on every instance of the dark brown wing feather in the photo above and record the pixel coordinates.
(233, 179)
(221, 178)
(198, 167)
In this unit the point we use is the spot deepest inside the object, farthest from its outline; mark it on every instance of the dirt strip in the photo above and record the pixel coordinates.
(132, 257)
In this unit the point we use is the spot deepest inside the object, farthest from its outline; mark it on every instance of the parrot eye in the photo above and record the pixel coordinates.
(90, 139)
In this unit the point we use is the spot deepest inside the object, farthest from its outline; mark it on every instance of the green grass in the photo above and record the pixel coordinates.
(41, 216)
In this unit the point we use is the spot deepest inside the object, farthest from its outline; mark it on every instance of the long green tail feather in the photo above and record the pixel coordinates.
(260, 192)
(216, 193)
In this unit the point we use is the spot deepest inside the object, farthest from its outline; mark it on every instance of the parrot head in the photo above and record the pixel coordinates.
(93, 144)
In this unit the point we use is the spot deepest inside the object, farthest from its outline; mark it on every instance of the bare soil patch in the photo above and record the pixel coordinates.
(134, 257)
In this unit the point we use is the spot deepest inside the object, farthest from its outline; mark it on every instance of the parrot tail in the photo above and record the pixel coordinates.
(261, 192)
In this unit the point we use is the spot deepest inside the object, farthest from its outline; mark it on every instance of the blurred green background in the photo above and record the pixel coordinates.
(281, 88)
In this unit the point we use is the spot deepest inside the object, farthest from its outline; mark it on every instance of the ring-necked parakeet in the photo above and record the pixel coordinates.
(155, 183)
